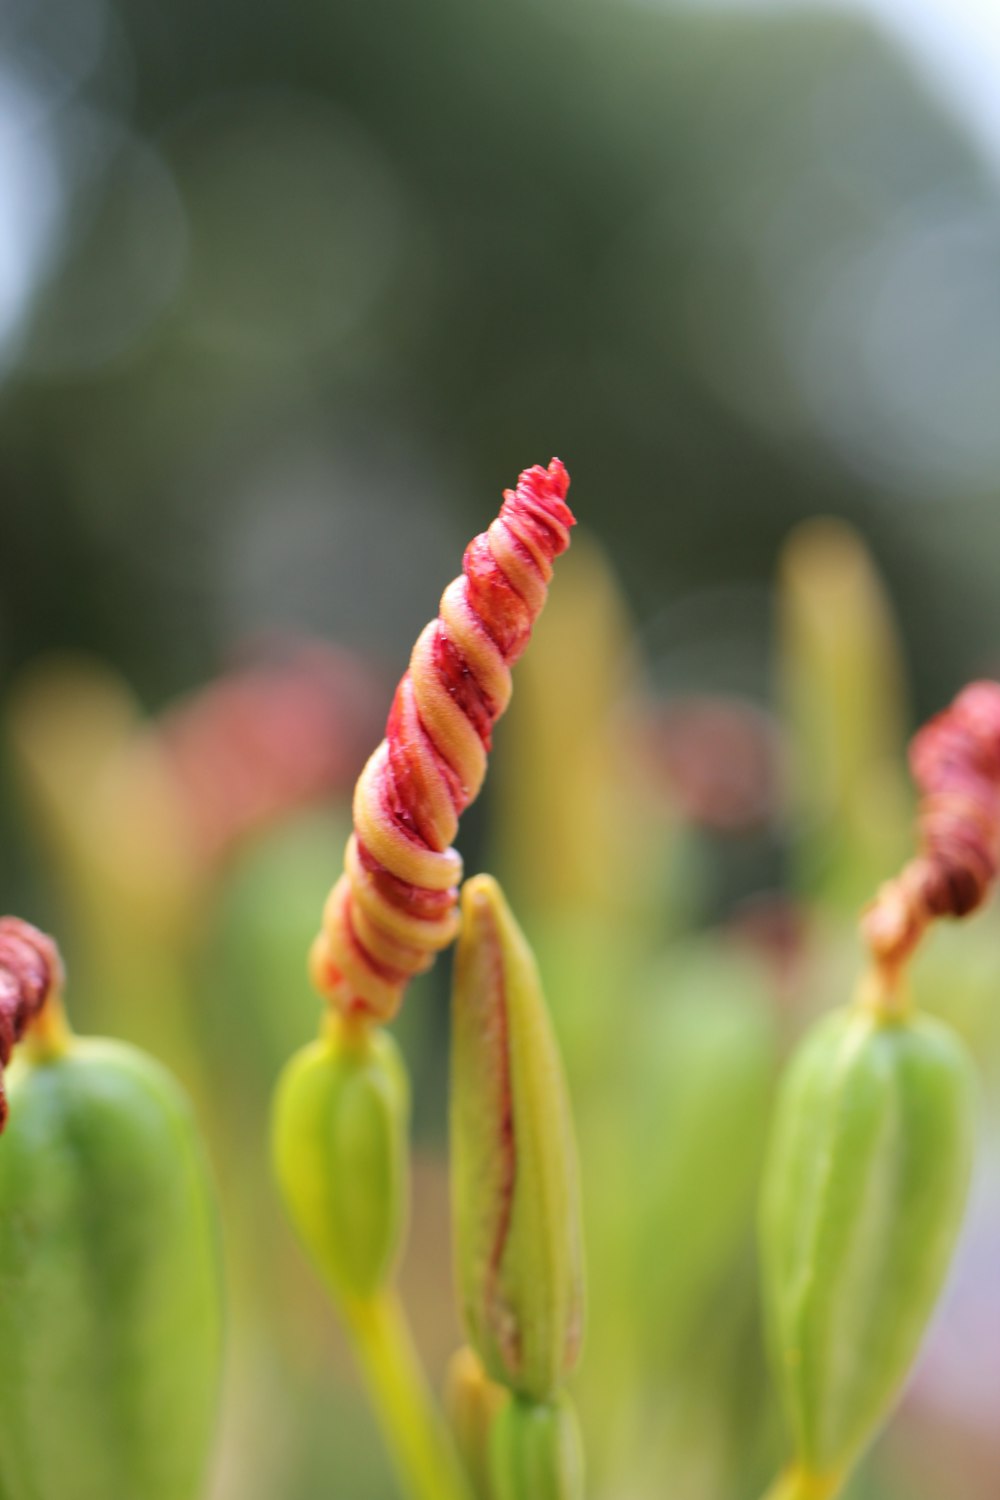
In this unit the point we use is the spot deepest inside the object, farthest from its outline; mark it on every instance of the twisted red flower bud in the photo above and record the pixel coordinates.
(30, 970)
(394, 907)
(955, 761)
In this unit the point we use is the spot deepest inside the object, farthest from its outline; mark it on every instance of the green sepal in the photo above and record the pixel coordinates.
(340, 1126)
(515, 1178)
(863, 1195)
(110, 1287)
(536, 1452)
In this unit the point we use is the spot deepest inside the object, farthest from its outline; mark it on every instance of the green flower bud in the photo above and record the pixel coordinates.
(863, 1195)
(535, 1452)
(515, 1180)
(340, 1152)
(110, 1318)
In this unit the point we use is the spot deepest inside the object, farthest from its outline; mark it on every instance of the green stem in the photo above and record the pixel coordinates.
(424, 1457)
(796, 1483)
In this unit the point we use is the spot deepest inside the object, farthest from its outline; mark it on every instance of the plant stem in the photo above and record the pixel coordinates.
(50, 1034)
(424, 1458)
(795, 1483)
(884, 991)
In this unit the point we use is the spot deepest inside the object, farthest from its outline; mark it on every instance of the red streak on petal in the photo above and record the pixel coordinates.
(413, 900)
(377, 966)
(501, 610)
(497, 1031)
(456, 674)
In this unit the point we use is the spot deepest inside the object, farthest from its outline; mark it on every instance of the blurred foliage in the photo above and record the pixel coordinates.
(313, 271)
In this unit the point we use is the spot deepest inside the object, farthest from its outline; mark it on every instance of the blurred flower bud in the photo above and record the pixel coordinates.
(285, 730)
(515, 1180)
(720, 757)
(572, 806)
(536, 1453)
(340, 1153)
(844, 705)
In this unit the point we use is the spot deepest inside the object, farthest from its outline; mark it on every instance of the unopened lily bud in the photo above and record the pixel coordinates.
(863, 1195)
(340, 1152)
(536, 1453)
(111, 1315)
(473, 1401)
(515, 1179)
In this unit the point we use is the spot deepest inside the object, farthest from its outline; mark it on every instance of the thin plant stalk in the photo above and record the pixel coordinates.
(422, 1452)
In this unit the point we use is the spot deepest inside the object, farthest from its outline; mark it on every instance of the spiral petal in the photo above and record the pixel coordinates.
(395, 906)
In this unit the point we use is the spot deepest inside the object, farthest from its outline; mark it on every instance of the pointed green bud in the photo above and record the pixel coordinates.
(515, 1179)
(473, 1402)
(862, 1200)
(340, 1152)
(535, 1452)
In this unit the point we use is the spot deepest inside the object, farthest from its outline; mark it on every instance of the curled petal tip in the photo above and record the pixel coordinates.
(552, 482)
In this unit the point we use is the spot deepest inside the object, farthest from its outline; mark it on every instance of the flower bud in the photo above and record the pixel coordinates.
(536, 1453)
(340, 1152)
(515, 1180)
(111, 1315)
(863, 1195)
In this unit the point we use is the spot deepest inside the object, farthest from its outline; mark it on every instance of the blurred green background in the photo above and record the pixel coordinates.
(288, 294)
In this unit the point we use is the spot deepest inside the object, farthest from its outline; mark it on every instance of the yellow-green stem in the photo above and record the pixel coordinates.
(884, 990)
(50, 1033)
(796, 1483)
(424, 1457)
